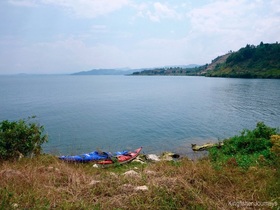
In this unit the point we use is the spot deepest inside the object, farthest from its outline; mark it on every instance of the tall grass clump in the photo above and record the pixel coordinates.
(250, 148)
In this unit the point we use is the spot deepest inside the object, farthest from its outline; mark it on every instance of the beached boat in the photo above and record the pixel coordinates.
(88, 157)
(121, 158)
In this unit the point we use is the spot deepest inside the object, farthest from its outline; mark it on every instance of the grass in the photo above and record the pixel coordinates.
(47, 183)
(244, 172)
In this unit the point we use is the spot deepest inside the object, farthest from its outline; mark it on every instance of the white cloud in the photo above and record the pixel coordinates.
(162, 11)
(156, 11)
(206, 31)
(80, 8)
(235, 23)
(219, 16)
(24, 3)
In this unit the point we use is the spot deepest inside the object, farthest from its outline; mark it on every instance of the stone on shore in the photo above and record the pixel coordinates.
(153, 157)
(131, 173)
(141, 188)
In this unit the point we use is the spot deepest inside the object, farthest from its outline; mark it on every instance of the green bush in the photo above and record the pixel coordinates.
(20, 138)
(249, 148)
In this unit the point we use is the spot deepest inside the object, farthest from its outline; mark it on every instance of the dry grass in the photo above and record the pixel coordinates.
(47, 183)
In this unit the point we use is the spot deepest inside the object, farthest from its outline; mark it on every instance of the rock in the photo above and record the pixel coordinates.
(206, 146)
(141, 188)
(138, 161)
(169, 156)
(94, 182)
(153, 157)
(129, 187)
(15, 205)
(95, 166)
(141, 158)
(131, 173)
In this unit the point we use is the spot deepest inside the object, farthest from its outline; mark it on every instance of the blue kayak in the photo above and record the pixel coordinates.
(88, 157)
(93, 156)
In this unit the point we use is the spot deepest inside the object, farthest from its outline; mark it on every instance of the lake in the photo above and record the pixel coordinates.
(84, 113)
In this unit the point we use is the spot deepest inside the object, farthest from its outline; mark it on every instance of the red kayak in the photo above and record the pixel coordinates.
(122, 159)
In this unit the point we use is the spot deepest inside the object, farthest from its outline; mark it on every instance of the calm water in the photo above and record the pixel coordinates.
(85, 113)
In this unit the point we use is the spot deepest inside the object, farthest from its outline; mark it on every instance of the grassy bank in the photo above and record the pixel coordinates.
(45, 183)
(243, 173)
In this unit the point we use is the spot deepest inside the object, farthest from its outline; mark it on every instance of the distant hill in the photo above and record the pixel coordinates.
(262, 61)
(106, 72)
(183, 66)
(182, 70)
(127, 71)
(217, 61)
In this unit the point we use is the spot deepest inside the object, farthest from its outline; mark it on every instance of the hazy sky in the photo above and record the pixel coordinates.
(65, 36)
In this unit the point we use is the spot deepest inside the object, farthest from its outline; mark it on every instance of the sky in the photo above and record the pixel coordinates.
(66, 36)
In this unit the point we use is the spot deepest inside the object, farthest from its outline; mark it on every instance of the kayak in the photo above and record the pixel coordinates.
(88, 157)
(94, 156)
(121, 158)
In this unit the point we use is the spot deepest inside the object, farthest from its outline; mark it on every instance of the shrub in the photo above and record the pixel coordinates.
(20, 138)
(275, 140)
(247, 148)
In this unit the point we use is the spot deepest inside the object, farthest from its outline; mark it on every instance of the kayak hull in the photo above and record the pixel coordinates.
(121, 159)
(88, 157)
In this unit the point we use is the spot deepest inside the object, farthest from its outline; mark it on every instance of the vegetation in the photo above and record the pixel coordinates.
(170, 71)
(217, 182)
(260, 61)
(20, 138)
(251, 148)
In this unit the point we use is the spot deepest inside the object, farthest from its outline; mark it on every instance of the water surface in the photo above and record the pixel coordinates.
(84, 113)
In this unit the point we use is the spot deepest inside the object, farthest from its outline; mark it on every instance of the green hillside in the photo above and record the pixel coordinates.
(262, 61)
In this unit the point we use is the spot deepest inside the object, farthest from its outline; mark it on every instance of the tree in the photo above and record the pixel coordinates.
(23, 137)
